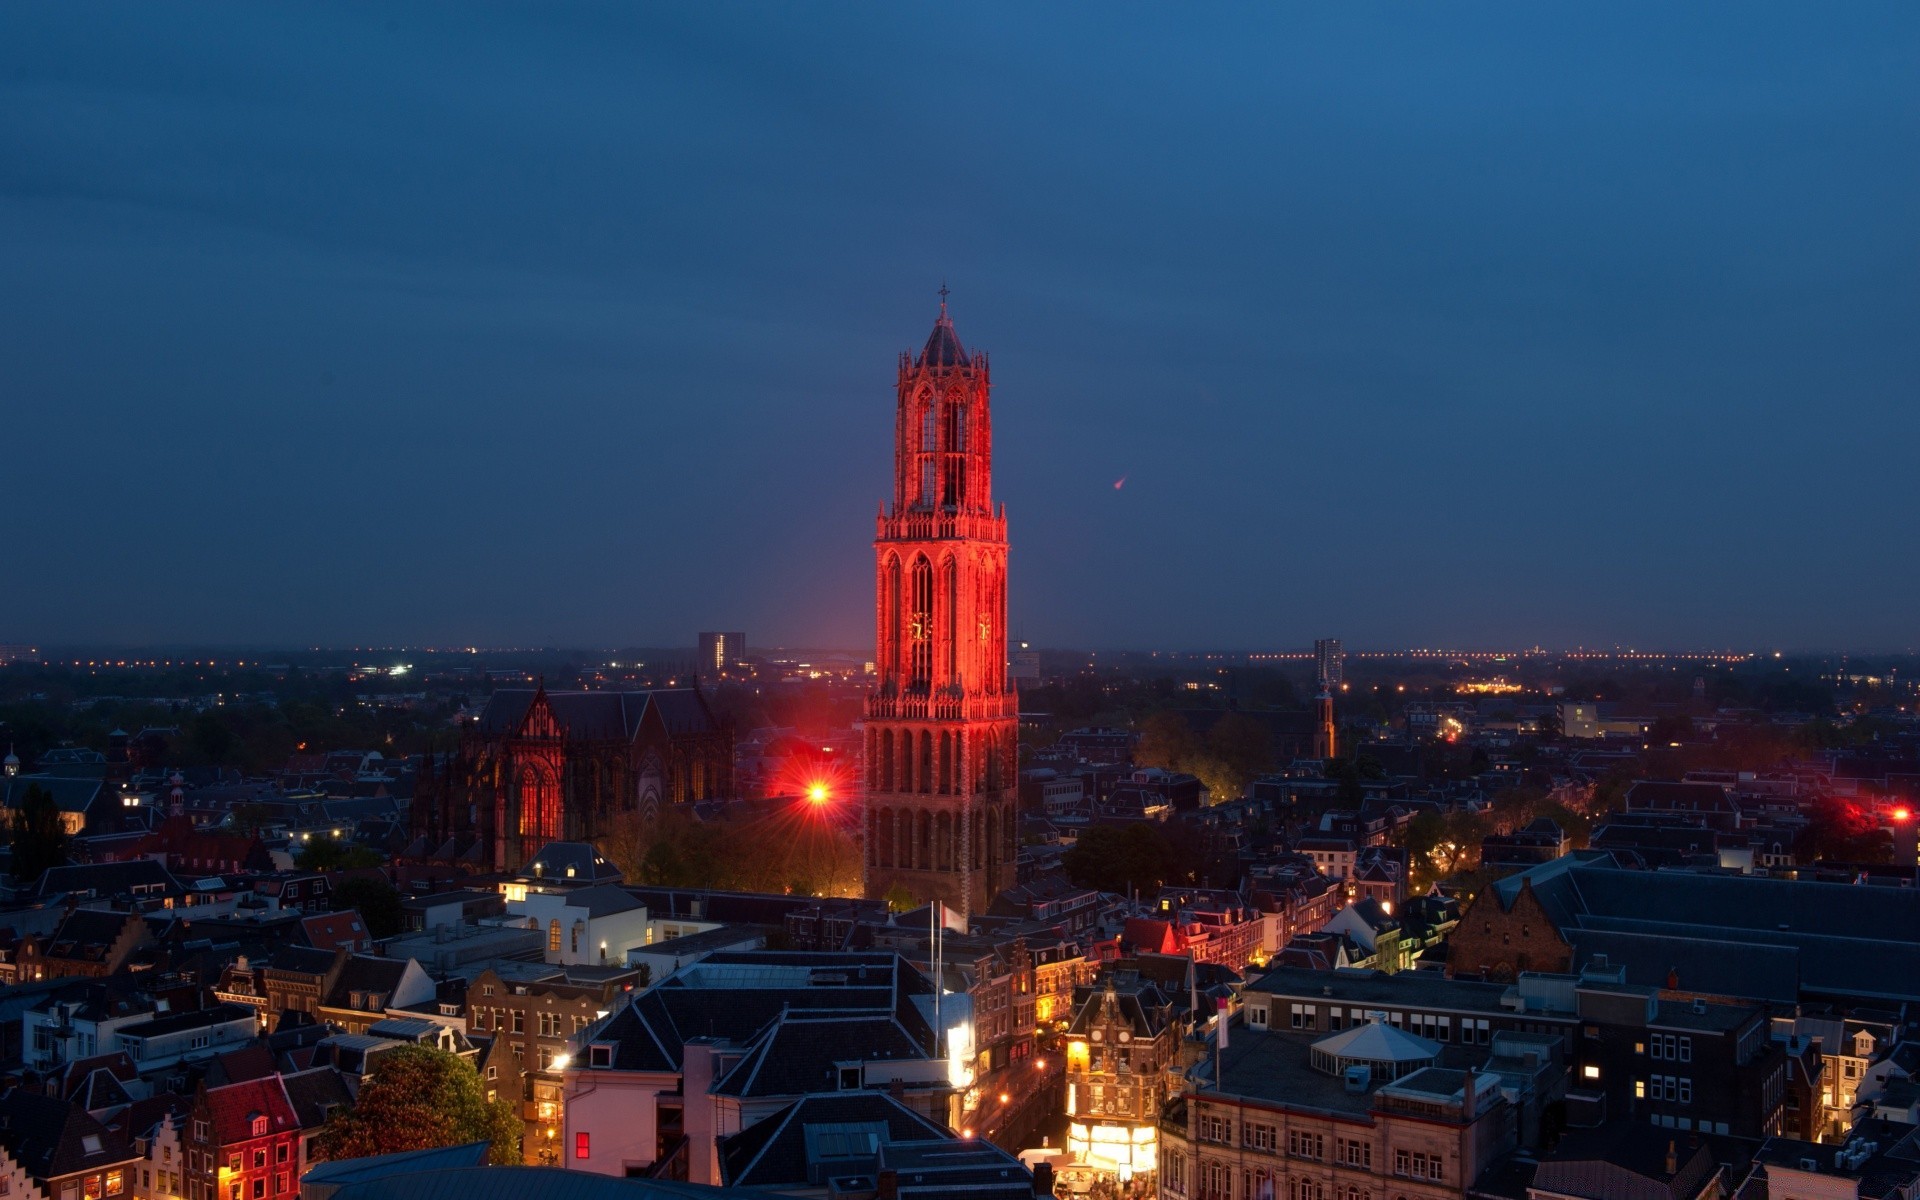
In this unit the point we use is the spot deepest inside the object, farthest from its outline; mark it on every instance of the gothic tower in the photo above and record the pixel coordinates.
(941, 720)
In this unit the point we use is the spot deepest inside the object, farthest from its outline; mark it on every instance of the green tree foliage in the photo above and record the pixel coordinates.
(329, 854)
(376, 900)
(419, 1098)
(1234, 751)
(39, 837)
(800, 850)
(1166, 741)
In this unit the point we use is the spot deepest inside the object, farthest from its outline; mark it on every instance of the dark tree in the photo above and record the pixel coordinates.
(375, 900)
(39, 836)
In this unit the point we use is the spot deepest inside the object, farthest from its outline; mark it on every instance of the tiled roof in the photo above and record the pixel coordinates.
(233, 1108)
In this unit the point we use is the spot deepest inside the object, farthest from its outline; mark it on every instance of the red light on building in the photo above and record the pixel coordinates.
(1902, 813)
(582, 1146)
(819, 793)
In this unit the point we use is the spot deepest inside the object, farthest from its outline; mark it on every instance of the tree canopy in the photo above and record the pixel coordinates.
(39, 837)
(419, 1098)
(375, 900)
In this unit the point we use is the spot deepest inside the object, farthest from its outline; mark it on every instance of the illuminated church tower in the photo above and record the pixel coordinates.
(941, 721)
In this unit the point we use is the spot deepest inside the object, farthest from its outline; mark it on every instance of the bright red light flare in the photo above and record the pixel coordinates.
(1901, 813)
(819, 793)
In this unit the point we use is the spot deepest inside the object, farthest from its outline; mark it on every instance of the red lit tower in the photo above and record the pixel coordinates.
(941, 722)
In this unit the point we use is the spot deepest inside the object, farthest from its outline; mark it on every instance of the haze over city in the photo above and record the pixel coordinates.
(525, 325)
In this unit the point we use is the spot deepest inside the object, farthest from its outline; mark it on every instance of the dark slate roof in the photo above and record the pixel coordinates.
(555, 859)
(87, 933)
(314, 1093)
(797, 1054)
(1627, 1164)
(943, 347)
(603, 900)
(599, 716)
(219, 1014)
(108, 879)
(309, 960)
(1142, 1007)
(1708, 966)
(649, 1033)
(50, 1137)
(71, 795)
(365, 973)
(773, 1152)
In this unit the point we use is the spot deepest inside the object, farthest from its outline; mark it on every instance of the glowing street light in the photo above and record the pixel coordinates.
(818, 793)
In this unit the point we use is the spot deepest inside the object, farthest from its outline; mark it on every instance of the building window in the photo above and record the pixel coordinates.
(553, 935)
(1686, 1091)
(280, 1152)
(116, 1183)
(259, 1127)
(1356, 1153)
(199, 1131)
(1302, 1144)
(1261, 1137)
(600, 1056)
(1216, 1181)
(1217, 1130)
(582, 1146)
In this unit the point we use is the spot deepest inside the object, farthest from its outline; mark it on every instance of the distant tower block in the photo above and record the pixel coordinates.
(719, 651)
(941, 719)
(1329, 664)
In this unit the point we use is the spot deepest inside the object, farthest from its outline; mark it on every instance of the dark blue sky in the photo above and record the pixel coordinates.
(1419, 325)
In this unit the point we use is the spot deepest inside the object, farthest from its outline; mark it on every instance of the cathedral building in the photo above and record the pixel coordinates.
(542, 766)
(941, 722)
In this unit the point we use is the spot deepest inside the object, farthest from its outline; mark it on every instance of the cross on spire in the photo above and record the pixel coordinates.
(943, 297)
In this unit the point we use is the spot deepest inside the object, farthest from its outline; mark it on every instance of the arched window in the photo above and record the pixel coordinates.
(924, 773)
(919, 629)
(890, 602)
(553, 936)
(886, 760)
(950, 621)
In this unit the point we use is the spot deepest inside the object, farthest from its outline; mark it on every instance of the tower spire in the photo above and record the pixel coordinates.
(943, 300)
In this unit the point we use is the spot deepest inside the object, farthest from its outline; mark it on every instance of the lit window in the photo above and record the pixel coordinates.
(581, 1146)
(1591, 1071)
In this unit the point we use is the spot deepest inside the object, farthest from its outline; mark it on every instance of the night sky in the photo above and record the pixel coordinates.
(1430, 324)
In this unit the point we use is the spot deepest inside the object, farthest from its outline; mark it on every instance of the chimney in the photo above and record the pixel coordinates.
(887, 1185)
(1043, 1179)
(1469, 1102)
(897, 1088)
(1673, 1159)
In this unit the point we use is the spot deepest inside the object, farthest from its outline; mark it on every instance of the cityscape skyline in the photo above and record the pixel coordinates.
(1525, 329)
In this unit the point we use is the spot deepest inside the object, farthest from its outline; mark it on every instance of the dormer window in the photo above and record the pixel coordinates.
(259, 1127)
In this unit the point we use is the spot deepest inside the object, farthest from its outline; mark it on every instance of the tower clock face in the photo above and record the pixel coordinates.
(986, 629)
